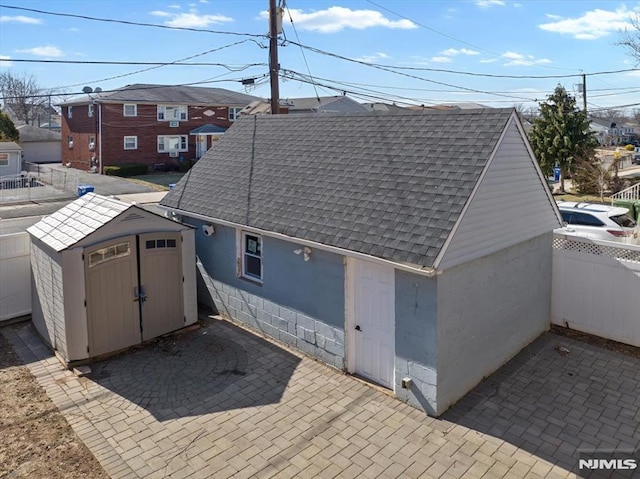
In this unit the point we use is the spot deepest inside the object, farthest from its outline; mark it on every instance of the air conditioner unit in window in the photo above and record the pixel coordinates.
(92, 146)
(174, 124)
(173, 154)
(71, 144)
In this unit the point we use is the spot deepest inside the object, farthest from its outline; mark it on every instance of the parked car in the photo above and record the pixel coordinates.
(601, 222)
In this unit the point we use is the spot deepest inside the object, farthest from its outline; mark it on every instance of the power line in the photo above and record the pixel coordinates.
(373, 65)
(125, 22)
(156, 67)
(162, 64)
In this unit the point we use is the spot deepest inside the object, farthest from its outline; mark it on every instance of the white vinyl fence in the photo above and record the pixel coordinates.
(596, 288)
(15, 276)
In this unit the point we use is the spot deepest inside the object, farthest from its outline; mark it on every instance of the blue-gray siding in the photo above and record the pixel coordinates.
(416, 338)
(314, 287)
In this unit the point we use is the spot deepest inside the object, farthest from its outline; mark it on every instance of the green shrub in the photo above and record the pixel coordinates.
(185, 165)
(126, 170)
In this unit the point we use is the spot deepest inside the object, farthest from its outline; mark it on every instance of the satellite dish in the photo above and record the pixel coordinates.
(87, 89)
(98, 90)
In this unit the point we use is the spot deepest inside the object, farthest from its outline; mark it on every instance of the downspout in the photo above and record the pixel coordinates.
(100, 138)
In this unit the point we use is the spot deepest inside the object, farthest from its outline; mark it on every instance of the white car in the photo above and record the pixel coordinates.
(601, 222)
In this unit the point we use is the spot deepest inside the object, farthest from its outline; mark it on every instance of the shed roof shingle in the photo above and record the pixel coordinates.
(77, 220)
(386, 185)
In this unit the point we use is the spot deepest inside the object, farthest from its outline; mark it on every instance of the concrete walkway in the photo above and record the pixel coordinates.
(220, 402)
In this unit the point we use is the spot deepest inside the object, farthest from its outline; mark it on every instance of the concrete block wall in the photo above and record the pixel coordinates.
(295, 329)
(422, 392)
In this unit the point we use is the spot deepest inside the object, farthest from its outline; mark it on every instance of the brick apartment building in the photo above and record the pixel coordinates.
(159, 125)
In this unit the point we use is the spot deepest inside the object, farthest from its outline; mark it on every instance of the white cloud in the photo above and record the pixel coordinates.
(488, 60)
(450, 52)
(441, 59)
(48, 51)
(489, 3)
(20, 19)
(518, 59)
(373, 58)
(5, 61)
(335, 19)
(591, 25)
(191, 20)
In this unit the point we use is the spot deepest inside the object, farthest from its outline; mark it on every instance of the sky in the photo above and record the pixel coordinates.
(497, 53)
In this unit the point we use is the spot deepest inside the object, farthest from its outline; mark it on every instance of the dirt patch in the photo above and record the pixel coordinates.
(598, 341)
(36, 442)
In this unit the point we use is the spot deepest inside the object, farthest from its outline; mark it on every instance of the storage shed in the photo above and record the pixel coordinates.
(108, 275)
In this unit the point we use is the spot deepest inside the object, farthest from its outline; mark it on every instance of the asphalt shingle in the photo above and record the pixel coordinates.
(389, 185)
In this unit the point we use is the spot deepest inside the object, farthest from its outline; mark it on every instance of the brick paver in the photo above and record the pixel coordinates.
(221, 402)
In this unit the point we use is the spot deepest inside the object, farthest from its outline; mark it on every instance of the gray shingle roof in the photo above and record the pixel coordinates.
(77, 220)
(387, 185)
(190, 95)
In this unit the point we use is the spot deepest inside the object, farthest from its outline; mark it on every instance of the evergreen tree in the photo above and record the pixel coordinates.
(8, 131)
(561, 135)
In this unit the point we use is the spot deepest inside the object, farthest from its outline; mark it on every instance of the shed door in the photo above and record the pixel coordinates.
(161, 283)
(373, 321)
(111, 279)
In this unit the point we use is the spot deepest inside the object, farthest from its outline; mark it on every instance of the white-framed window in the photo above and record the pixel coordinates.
(110, 252)
(130, 142)
(130, 109)
(92, 143)
(251, 256)
(234, 113)
(90, 110)
(70, 141)
(169, 143)
(173, 112)
(4, 159)
(69, 112)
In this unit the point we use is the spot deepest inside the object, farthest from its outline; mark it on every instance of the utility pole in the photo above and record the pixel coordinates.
(273, 57)
(584, 93)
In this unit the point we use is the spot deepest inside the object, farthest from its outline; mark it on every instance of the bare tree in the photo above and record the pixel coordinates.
(24, 97)
(630, 38)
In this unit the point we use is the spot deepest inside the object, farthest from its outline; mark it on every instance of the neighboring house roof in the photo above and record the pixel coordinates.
(171, 94)
(383, 107)
(77, 220)
(7, 146)
(326, 104)
(387, 185)
(207, 129)
(30, 133)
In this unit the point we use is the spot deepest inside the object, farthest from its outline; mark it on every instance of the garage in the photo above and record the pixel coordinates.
(107, 275)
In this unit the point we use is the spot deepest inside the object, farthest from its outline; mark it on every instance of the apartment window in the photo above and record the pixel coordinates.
(92, 143)
(171, 143)
(130, 109)
(70, 141)
(251, 256)
(90, 110)
(69, 112)
(234, 113)
(172, 112)
(130, 142)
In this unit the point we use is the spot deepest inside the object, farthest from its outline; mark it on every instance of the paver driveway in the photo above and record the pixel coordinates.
(221, 402)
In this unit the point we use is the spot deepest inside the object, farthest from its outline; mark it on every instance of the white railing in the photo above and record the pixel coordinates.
(595, 287)
(39, 182)
(631, 193)
(64, 180)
